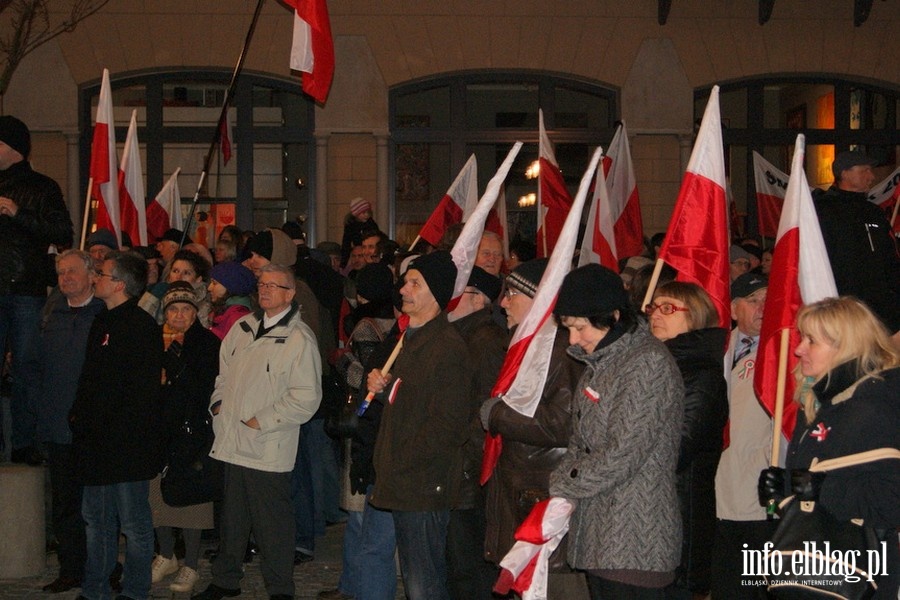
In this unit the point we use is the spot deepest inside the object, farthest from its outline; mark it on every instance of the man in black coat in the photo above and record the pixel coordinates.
(33, 217)
(115, 428)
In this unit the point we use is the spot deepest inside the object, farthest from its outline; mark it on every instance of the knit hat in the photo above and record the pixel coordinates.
(527, 276)
(174, 235)
(293, 230)
(484, 282)
(842, 162)
(374, 282)
(358, 206)
(274, 245)
(180, 291)
(746, 284)
(102, 237)
(237, 279)
(14, 133)
(440, 274)
(589, 291)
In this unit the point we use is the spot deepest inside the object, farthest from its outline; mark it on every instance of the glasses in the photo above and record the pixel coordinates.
(270, 286)
(665, 308)
(509, 293)
(100, 273)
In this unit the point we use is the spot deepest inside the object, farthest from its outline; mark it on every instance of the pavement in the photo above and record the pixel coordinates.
(310, 578)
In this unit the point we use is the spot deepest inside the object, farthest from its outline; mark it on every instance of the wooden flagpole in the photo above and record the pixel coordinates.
(415, 241)
(654, 279)
(777, 418)
(385, 371)
(87, 213)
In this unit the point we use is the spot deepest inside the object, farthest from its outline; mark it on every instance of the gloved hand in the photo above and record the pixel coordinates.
(806, 485)
(770, 486)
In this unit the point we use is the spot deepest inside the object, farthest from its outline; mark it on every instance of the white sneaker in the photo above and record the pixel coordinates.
(185, 580)
(162, 567)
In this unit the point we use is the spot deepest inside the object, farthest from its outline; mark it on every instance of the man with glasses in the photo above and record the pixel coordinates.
(115, 431)
(269, 383)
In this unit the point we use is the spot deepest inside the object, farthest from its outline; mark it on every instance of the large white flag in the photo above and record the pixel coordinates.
(105, 163)
(132, 201)
(165, 210)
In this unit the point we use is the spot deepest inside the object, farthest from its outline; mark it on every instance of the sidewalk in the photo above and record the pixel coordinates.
(310, 578)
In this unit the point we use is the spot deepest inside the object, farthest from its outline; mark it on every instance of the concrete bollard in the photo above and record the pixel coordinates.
(23, 551)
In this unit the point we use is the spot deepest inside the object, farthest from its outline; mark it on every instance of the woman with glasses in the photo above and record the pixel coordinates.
(684, 318)
(619, 467)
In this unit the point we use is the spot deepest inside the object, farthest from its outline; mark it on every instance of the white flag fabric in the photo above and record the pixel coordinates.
(105, 163)
(165, 210)
(132, 200)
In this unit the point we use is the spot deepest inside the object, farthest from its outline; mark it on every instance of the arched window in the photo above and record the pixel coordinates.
(177, 112)
(437, 123)
(765, 115)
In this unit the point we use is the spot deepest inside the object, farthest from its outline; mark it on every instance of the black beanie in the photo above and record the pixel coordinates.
(439, 272)
(527, 276)
(591, 291)
(484, 282)
(261, 243)
(375, 282)
(14, 133)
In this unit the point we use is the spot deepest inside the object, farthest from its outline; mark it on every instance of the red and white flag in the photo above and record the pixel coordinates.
(554, 200)
(615, 229)
(456, 205)
(770, 186)
(466, 246)
(886, 195)
(312, 47)
(226, 146)
(521, 380)
(165, 211)
(801, 274)
(696, 241)
(132, 201)
(525, 567)
(105, 163)
(497, 223)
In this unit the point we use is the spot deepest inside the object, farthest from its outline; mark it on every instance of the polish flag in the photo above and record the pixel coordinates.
(456, 205)
(132, 201)
(525, 567)
(312, 48)
(165, 211)
(696, 241)
(801, 274)
(524, 371)
(496, 221)
(466, 246)
(770, 186)
(225, 137)
(554, 200)
(105, 163)
(886, 195)
(615, 228)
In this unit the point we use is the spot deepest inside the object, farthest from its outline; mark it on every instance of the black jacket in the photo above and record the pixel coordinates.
(116, 416)
(862, 251)
(42, 219)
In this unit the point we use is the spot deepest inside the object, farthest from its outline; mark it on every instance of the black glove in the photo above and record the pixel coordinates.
(770, 486)
(806, 485)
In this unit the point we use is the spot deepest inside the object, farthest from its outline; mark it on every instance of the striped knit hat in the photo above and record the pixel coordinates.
(526, 277)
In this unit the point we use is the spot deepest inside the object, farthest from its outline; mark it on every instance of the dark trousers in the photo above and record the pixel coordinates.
(470, 577)
(68, 526)
(422, 548)
(606, 589)
(728, 583)
(256, 501)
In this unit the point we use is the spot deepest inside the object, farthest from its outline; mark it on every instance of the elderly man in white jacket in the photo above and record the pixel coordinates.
(269, 383)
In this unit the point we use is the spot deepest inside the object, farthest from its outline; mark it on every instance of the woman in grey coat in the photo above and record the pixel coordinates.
(620, 465)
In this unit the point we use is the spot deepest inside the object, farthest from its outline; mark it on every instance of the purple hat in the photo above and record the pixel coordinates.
(236, 278)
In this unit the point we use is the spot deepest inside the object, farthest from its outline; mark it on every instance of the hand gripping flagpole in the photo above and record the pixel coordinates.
(402, 324)
(229, 93)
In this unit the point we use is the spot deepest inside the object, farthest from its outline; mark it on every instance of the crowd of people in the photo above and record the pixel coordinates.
(265, 389)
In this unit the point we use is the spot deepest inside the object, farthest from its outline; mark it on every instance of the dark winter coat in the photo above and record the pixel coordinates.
(699, 355)
(42, 219)
(532, 448)
(116, 416)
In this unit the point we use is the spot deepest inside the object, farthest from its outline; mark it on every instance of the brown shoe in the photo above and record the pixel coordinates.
(334, 594)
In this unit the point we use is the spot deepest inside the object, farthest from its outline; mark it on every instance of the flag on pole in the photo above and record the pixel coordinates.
(456, 205)
(165, 210)
(801, 274)
(312, 47)
(132, 201)
(554, 200)
(770, 186)
(466, 246)
(525, 567)
(225, 136)
(886, 195)
(696, 241)
(497, 223)
(524, 371)
(599, 243)
(105, 163)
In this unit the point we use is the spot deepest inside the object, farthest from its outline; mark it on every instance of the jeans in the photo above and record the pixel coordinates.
(422, 547)
(20, 325)
(105, 508)
(315, 484)
(376, 564)
(350, 549)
